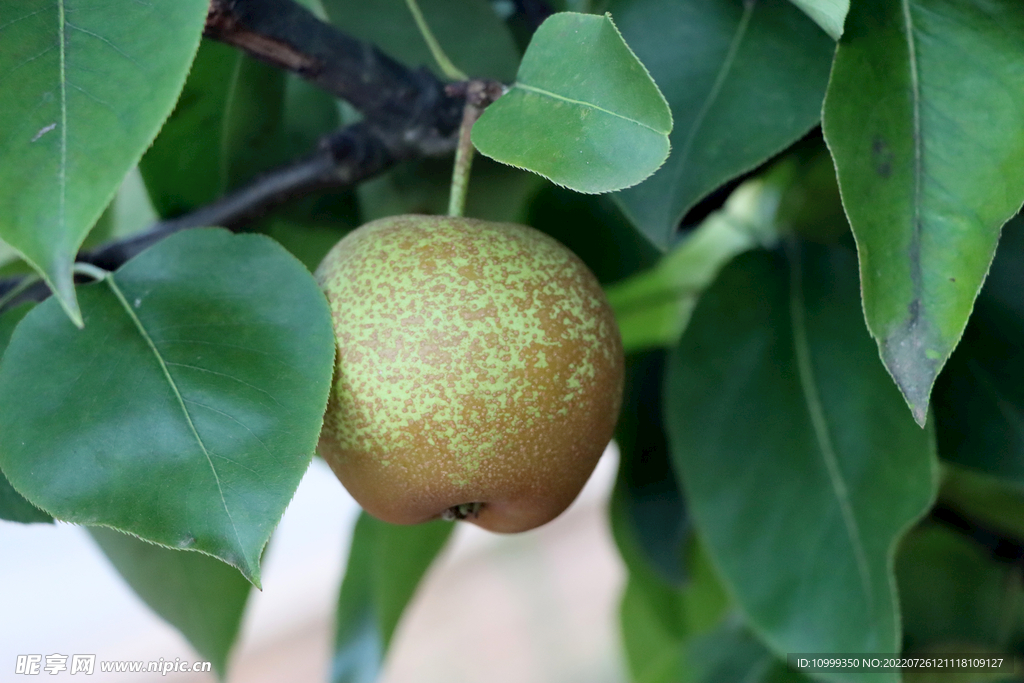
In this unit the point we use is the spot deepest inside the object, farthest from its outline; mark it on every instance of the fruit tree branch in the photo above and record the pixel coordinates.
(392, 96)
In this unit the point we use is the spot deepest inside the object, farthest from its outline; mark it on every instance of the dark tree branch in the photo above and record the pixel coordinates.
(392, 96)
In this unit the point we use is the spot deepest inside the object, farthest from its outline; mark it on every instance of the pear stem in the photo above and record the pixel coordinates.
(479, 94)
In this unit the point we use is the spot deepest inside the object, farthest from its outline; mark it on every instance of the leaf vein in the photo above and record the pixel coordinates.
(590, 105)
(177, 393)
(808, 384)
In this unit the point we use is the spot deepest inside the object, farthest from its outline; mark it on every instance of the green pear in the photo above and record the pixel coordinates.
(478, 374)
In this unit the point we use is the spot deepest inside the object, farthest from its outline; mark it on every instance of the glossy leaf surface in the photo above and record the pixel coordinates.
(923, 117)
(583, 111)
(800, 468)
(188, 408)
(385, 565)
(85, 88)
(744, 80)
(197, 594)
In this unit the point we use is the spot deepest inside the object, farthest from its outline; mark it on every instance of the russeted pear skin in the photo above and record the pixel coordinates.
(477, 362)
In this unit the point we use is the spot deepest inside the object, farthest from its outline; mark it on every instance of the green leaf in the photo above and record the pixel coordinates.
(800, 468)
(85, 88)
(828, 14)
(198, 595)
(953, 595)
(13, 506)
(979, 398)
(648, 511)
(183, 169)
(583, 111)
(659, 620)
(923, 118)
(744, 80)
(187, 410)
(469, 31)
(653, 307)
(385, 565)
(593, 227)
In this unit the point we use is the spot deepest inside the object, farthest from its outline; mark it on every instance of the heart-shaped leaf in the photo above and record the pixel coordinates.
(583, 112)
(744, 80)
(923, 117)
(188, 408)
(85, 87)
(200, 596)
(801, 469)
(385, 565)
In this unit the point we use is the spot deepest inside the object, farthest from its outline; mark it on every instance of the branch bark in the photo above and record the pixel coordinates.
(392, 96)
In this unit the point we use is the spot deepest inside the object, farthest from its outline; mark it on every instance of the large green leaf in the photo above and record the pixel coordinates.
(85, 87)
(923, 117)
(830, 15)
(200, 596)
(979, 398)
(955, 597)
(469, 31)
(187, 410)
(13, 506)
(385, 565)
(583, 111)
(744, 79)
(801, 469)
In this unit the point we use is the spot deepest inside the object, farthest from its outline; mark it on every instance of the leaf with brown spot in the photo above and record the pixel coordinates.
(923, 117)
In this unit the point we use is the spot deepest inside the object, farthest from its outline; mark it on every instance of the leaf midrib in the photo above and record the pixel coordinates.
(109, 279)
(589, 105)
(709, 101)
(816, 411)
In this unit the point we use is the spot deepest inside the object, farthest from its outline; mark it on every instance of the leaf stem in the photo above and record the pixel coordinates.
(447, 67)
(89, 270)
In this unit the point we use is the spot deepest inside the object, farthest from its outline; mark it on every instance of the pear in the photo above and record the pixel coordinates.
(478, 374)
